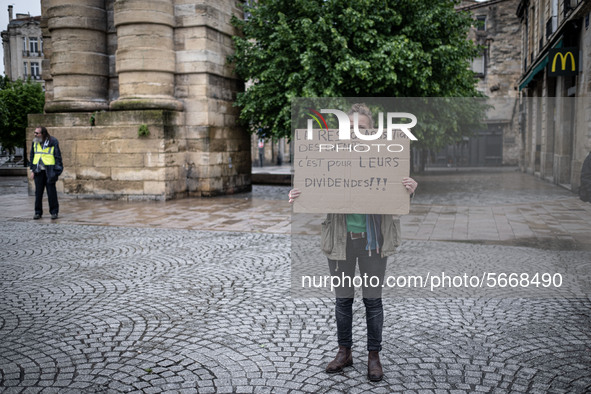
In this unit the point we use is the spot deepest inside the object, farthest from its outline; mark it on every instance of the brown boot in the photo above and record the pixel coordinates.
(374, 367)
(344, 358)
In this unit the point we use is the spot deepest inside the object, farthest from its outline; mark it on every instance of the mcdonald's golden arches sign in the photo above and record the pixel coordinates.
(563, 61)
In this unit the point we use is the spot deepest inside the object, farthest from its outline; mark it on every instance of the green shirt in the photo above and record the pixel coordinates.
(356, 223)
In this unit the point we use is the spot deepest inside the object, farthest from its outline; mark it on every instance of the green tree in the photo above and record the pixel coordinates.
(364, 48)
(17, 100)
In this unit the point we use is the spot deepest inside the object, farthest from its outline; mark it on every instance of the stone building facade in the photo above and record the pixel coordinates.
(555, 87)
(496, 29)
(22, 44)
(497, 70)
(140, 95)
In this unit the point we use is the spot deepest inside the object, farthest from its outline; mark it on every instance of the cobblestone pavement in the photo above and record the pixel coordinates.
(147, 308)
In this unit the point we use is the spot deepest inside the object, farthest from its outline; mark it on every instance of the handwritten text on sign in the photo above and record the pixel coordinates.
(352, 176)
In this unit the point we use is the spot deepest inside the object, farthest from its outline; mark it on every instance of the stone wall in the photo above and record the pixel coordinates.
(161, 63)
(502, 57)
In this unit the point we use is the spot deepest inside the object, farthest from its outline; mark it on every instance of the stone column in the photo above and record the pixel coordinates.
(78, 60)
(45, 63)
(145, 57)
(111, 50)
(218, 148)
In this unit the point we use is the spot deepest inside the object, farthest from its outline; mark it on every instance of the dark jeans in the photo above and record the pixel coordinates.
(40, 185)
(369, 266)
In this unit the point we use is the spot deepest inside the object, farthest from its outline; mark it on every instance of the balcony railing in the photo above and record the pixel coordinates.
(31, 54)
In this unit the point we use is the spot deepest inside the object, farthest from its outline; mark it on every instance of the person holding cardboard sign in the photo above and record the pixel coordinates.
(366, 240)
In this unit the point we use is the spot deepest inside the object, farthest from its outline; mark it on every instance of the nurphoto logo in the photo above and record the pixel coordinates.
(345, 129)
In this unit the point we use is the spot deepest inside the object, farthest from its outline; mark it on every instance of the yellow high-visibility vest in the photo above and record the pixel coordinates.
(46, 155)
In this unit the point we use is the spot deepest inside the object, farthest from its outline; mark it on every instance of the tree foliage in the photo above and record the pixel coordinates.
(17, 100)
(335, 48)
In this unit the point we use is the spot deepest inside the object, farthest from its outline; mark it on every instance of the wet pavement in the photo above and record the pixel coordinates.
(498, 205)
(194, 295)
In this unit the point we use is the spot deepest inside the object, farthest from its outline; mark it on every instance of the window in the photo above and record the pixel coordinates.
(542, 20)
(35, 72)
(481, 22)
(34, 46)
(554, 15)
(549, 30)
(530, 35)
(478, 65)
(525, 41)
(25, 50)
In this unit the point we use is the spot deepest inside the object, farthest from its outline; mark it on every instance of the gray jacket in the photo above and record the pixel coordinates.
(334, 235)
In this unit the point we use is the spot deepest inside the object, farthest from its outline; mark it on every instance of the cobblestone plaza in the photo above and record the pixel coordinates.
(194, 296)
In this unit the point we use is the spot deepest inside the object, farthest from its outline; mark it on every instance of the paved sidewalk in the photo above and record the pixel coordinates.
(193, 296)
(497, 205)
(491, 205)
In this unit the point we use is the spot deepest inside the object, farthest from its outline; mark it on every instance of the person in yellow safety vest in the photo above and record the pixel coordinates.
(46, 166)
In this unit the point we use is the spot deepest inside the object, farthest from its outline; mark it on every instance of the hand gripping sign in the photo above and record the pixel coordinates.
(339, 171)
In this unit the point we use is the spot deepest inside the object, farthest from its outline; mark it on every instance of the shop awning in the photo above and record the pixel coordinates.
(539, 67)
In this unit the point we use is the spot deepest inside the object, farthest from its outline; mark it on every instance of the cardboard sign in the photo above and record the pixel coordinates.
(351, 176)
